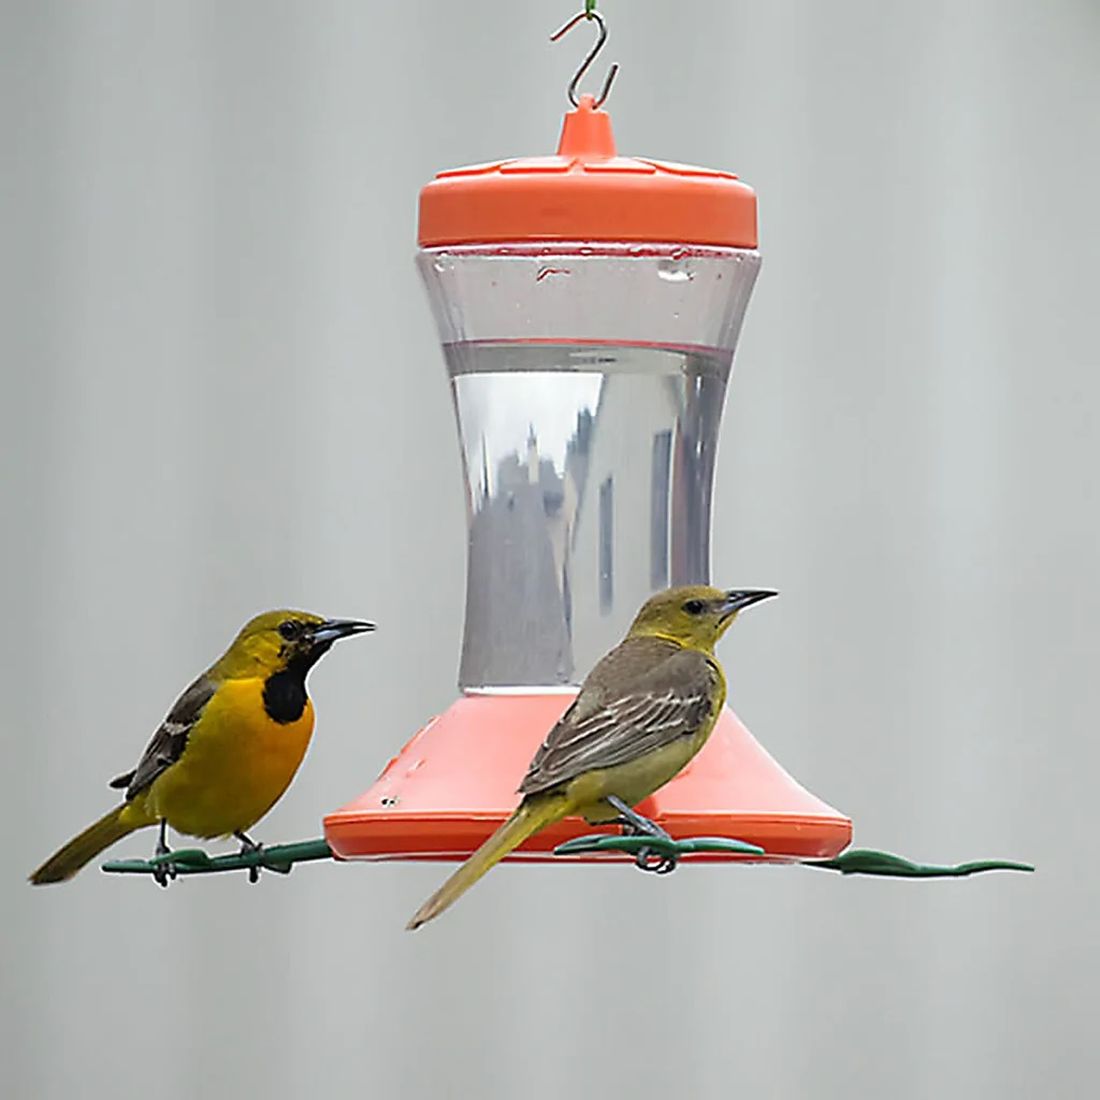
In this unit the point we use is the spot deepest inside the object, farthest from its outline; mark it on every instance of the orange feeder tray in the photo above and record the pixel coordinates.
(456, 780)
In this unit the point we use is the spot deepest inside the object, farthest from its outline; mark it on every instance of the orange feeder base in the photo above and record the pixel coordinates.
(456, 781)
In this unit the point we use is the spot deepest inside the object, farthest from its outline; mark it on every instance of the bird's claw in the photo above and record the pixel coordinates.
(165, 869)
(634, 824)
(648, 860)
(250, 847)
(164, 873)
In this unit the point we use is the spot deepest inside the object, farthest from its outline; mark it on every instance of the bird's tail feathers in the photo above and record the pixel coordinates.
(532, 814)
(65, 862)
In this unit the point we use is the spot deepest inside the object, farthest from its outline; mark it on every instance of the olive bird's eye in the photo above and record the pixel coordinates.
(695, 607)
(290, 629)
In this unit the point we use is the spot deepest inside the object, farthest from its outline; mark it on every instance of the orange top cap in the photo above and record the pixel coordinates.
(587, 193)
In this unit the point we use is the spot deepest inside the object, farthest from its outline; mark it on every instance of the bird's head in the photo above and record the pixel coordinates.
(277, 640)
(696, 615)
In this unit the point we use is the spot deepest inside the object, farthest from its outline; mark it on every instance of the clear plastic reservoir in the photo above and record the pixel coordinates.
(588, 383)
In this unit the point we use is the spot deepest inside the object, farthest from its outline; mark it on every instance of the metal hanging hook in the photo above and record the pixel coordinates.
(578, 75)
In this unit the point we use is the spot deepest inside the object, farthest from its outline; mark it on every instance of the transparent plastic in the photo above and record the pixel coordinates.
(588, 383)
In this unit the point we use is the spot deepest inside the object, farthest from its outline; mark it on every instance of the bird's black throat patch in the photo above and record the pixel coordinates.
(285, 693)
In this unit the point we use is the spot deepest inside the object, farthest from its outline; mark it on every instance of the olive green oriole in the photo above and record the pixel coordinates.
(641, 714)
(229, 747)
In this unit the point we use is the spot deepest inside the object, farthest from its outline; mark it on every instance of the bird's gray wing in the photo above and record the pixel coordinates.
(652, 708)
(170, 739)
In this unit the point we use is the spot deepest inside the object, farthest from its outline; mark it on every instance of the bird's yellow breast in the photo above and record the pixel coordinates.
(235, 767)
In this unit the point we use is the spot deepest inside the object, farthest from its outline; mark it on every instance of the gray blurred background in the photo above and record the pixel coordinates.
(222, 392)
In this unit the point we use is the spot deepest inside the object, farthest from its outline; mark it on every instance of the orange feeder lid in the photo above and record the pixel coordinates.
(587, 192)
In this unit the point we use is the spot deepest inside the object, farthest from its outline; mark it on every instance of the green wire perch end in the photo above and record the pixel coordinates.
(194, 861)
(866, 861)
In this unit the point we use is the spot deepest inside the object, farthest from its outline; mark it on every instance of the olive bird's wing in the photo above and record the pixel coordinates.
(638, 699)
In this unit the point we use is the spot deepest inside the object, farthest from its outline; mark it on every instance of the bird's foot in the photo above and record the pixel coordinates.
(250, 847)
(634, 824)
(164, 870)
(658, 863)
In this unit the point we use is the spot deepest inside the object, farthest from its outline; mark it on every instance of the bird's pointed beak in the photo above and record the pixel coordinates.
(739, 598)
(332, 630)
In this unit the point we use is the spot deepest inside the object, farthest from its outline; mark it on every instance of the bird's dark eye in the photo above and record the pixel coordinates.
(695, 607)
(290, 629)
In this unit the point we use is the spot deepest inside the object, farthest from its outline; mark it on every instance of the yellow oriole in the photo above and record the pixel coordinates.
(227, 750)
(642, 713)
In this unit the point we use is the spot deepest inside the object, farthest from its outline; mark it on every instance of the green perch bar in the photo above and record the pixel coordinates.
(665, 846)
(282, 857)
(194, 861)
(856, 861)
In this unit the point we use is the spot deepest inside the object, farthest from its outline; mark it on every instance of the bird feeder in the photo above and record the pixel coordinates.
(588, 305)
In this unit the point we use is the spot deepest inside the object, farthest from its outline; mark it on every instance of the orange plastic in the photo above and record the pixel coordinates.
(456, 781)
(586, 192)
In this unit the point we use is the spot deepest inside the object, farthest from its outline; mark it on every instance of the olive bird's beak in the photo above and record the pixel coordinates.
(332, 630)
(738, 599)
